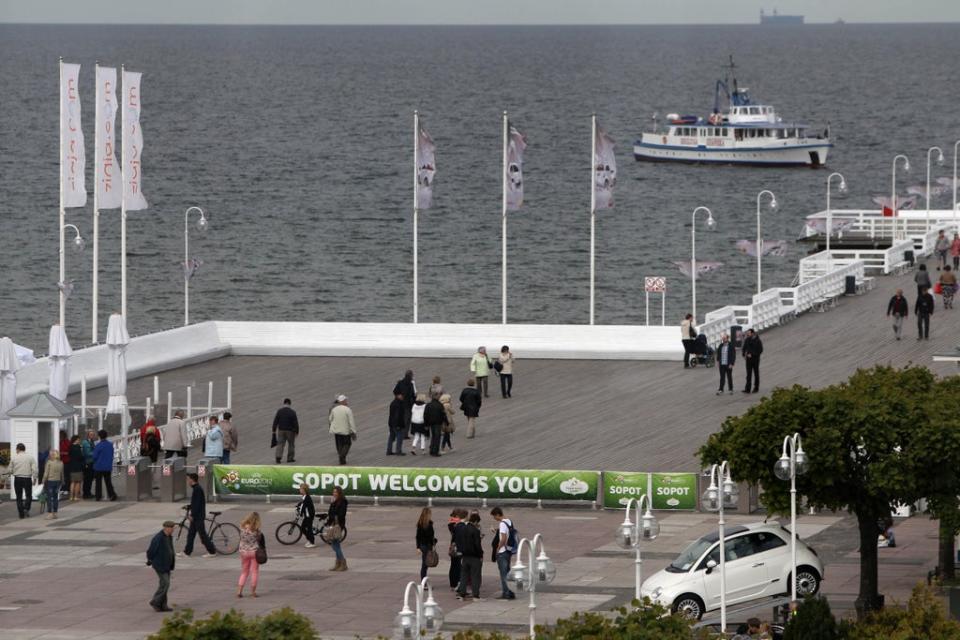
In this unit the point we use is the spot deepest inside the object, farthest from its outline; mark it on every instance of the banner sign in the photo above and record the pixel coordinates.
(408, 482)
(668, 491)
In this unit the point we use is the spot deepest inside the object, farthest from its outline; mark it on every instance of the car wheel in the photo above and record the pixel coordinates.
(808, 582)
(689, 606)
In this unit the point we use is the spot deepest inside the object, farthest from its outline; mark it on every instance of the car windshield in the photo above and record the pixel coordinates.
(690, 555)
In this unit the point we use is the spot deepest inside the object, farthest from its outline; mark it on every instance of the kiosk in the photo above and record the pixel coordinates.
(35, 423)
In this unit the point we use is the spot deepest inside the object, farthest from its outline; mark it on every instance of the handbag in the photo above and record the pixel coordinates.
(261, 552)
(433, 558)
(452, 551)
(273, 439)
(498, 366)
(938, 288)
(331, 533)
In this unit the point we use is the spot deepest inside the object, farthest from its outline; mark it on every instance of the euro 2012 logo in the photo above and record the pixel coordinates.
(232, 479)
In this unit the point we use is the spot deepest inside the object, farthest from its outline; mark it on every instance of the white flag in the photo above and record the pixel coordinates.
(132, 143)
(426, 168)
(604, 170)
(516, 143)
(107, 173)
(72, 157)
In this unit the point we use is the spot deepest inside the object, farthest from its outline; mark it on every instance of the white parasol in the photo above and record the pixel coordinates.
(117, 341)
(59, 361)
(9, 363)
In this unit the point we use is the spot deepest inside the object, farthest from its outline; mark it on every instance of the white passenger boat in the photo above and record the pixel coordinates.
(745, 133)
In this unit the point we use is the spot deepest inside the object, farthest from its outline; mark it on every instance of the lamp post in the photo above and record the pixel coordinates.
(78, 243)
(427, 616)
(629, 535)
(722, 492)
(792, 463)
(939, 162)
(201, 226)
(842, 190)
(693, 251)
(540, 569)
(893, 189)
(773, 207)
(955, 145)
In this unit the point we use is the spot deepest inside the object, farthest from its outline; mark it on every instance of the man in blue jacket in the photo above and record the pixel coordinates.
(198, 519)
(161, 557)
(103, 466)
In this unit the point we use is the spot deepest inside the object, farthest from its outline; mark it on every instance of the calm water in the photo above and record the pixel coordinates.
(297, 142)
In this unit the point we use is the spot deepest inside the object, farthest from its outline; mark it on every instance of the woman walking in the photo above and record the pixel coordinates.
(75, 469)
(450, 426)
(426, 539)
(955, 251)
(948, 286)
(505, 360)
(51, 481)
(337, 519)
(436, 389)
(417, 425)
(922, 278)
(251, 539)
(308, 512)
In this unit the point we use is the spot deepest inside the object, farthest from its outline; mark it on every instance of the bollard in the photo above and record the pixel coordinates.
(483, 503)
(229, 392)
(268, 498)
(376, 501)
(156, 388)
(139, 479)
(189, 401)
(539, 503)
(210, 398)
(430, 501)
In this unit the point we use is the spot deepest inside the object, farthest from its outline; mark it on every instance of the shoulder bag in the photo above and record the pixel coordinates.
(261, 551)
(433, 558)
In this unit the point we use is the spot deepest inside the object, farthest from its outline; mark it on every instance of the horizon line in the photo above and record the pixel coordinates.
(462, 24)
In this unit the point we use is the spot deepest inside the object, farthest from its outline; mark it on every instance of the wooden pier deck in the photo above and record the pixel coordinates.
(617, 415)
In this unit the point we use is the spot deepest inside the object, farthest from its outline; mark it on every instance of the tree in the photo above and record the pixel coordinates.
(858, 436)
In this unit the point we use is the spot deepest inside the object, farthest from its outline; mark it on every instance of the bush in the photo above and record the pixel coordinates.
(924, 617)
(812, 621)
(282, 624)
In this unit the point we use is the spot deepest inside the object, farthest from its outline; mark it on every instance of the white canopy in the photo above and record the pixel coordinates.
(117, 341)
(9, 363)
(24, 355)
(59, 362)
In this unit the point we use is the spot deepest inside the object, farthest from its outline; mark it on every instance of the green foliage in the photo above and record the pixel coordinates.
(282, 624)
(924, 618)
(812, 621)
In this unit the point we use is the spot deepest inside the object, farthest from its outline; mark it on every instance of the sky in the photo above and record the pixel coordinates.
(467, 11)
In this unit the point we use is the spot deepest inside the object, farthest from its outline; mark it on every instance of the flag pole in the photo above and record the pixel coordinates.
(96, 210)
(63, 266)
(593, 208)
(416, 208)
(123, 207)
(503, 223)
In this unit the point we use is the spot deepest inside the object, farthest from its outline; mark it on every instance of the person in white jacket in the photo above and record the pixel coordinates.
(342, 426)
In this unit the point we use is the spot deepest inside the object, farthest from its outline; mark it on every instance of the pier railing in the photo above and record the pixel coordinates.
(913, 224)
(878, 261)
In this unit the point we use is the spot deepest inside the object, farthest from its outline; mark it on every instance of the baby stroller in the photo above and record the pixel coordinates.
(702, 353)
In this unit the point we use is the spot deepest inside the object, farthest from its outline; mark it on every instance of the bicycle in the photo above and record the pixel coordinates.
(291, 531)
(225, 536)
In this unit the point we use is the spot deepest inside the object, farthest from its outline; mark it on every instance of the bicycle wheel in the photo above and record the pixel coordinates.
(226, 538)
(289, 533)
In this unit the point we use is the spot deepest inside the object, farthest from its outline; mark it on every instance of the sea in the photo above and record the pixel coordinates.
(297, 142)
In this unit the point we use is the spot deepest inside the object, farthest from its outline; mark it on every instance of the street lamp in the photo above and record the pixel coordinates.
(540, 569)
(201, 226)
(955, 145)
(842, 189)
(893, 190)
(773, 207)
(629, 534)
(939, 162)
(78, 243)
(426, 618)
(722, 492)
(792, 463)
(693, 251)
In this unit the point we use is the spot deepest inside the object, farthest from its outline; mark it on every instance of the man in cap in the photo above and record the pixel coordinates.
(161, 557)
(342, 426)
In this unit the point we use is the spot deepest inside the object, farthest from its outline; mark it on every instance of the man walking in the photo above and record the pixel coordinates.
(406, 387)
(470, 402)
(687, 335)
(470, 548)
(396, 423)
(480, 368)
(103, 466)
(198, 519)
(230, 437)
(285, 428)
(23, 468)
(752, 348)
(434, 417)
(161, 557)
(923, 310)
(87, 447)
(506, 547)
(342, 426)
(175, 438)
(726, 356)
(899, 308)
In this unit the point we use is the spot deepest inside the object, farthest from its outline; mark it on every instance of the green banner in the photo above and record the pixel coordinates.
(407, 482)
(675, 491)
(620, 486)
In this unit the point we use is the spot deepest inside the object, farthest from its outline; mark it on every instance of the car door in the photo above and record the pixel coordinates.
(774, 553)
(745, 577)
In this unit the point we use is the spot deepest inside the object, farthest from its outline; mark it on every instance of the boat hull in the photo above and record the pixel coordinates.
(809, 155)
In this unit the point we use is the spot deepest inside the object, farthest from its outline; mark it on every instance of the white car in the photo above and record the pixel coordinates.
(757, 561)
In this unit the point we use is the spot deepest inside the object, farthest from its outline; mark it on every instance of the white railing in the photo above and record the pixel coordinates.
(895, 256)
(766, 310)
(829, 285)
(127, 446)
(874, 260)
(913, 224)
(716, 323)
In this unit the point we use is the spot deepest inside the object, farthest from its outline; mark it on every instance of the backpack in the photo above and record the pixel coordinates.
(416, 413)
(512, 538)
